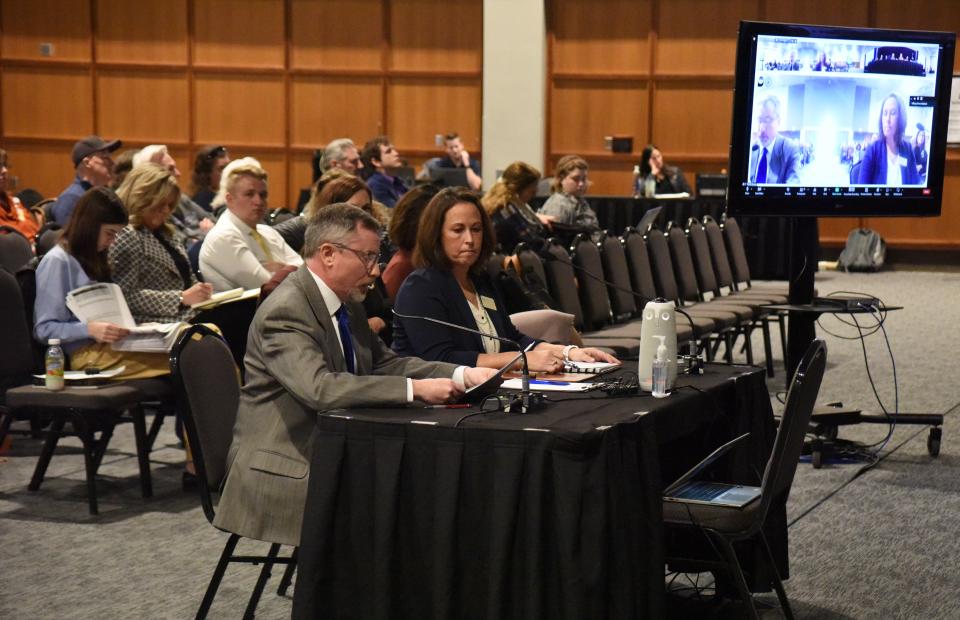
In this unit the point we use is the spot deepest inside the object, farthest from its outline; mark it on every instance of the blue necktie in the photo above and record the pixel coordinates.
(762, 168)
(346, 338)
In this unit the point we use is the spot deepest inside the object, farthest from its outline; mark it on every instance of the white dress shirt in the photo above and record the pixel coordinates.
(231, 256)
(333, 303)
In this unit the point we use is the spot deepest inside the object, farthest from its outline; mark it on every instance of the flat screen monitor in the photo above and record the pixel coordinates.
(449, 177)
(831, 121)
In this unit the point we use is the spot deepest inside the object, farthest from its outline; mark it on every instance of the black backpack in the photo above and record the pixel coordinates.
(865, 251)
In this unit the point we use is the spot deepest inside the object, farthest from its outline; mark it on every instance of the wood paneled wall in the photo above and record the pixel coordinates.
(662, 72)
(270, 78)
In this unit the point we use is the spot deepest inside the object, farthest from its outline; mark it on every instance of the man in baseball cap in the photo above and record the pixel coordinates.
(94, 168)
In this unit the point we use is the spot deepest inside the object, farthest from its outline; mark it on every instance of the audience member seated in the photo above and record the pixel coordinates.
(450, 284)
(506, 204)
(403, 234)
(93, 167)
(341, 154)
(207, 168)
(240, 251)
(890, 159)
(566, 205)
(188, 217)
(342, 187)
(12, 212)
(310, 350)
(148, 260)
(458, 157)
(380, 159)
(665, 179)
(122, 165)
(920, 154)
(80, 259)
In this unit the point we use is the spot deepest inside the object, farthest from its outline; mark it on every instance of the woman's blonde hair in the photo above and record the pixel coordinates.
(146, 187)
(515, 178)
(567, 165)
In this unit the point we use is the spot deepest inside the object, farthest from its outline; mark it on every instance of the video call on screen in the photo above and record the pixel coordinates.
(819, 105)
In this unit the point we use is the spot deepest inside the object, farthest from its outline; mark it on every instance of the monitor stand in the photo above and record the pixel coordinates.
(801, 327)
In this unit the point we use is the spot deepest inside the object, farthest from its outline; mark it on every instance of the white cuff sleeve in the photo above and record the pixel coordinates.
(409, 390)
(458, 378)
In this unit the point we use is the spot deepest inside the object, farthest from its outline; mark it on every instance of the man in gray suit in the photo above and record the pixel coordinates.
(775, 158)
(309, 350)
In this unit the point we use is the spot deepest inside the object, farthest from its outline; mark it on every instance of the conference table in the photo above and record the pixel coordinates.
(441, 513)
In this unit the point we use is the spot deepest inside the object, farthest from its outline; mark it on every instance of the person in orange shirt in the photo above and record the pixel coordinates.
(12, 213)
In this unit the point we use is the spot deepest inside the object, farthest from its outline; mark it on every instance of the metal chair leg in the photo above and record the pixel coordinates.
(728, 344)
(288, 573)
(46, 453)
(767, 346)
(747, 330)
(143, 451)
(261, 582)
(736, 573)
(217, 576)
(90, 460)
(777, 582)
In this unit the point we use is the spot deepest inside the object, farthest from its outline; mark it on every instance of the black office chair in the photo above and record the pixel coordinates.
(208, 393)
(15, 249)
(725, 525)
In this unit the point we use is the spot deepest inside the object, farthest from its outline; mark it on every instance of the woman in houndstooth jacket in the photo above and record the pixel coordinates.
(148, 261)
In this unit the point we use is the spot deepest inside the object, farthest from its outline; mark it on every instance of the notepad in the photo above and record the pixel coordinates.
(547, 386)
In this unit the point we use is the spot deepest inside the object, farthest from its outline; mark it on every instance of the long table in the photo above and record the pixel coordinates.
(552, 514)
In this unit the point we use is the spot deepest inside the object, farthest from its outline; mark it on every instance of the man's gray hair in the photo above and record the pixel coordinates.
(150, 154)
(335, 151)
(334, 224)
(774, 102)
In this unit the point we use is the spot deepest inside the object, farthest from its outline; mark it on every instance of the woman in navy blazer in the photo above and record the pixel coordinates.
(890, 146)
(454, 241)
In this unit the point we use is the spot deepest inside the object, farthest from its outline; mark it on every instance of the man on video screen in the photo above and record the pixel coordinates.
(774, 158)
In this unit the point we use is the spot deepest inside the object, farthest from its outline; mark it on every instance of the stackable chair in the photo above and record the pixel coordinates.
(208, 393)
(15, 249)
(726, 322)
(92, 413)
(741, 267)
(725, 525)
(710, 288)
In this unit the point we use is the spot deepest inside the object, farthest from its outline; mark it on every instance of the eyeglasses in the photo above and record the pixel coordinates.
(369, 259)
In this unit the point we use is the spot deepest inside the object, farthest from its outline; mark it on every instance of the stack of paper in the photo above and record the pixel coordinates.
(104, 302)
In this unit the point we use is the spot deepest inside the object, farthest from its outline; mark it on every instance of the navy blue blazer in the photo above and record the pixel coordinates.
(874, 166)
(435, 293)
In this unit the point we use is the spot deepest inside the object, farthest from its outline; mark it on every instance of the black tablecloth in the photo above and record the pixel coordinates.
(554, 514)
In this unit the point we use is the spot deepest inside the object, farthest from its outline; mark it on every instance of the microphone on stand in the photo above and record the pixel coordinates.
(528, 400)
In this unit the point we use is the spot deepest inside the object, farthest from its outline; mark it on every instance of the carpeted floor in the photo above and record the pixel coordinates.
(880, 544)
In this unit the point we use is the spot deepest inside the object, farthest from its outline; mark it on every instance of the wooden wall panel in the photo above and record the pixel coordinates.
(700, 36)
(420, 108)
(587, 111)
(336, 34)
(142, 32)
(601, 36)
(44, 167)
(933, 233)
(301, 176)
(323, 109)
(692, 118)
(921, 15)
(246, 34)
(834, 230)
(242, 110)
(65, 23)
(438, 35)
(848, 13)
(47, 103)
(151, 106)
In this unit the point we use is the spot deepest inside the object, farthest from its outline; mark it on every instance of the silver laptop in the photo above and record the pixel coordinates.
(713, 493)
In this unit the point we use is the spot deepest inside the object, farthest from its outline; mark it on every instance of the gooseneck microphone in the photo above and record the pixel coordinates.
(528, 400)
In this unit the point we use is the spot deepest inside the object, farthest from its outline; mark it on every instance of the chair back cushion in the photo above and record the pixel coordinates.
(593, 291)
(718, 253)
(208, 394)
(622, 301)
(15, 250)
(17, 360)
(683, 263)
(702, 261)
(562, 282)
(738, 253)
(662, 265)
(638, 259)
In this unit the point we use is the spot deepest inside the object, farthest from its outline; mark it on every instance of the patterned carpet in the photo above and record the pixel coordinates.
(876, 545)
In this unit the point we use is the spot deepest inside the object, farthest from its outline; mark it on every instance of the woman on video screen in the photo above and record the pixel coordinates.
(890, 159)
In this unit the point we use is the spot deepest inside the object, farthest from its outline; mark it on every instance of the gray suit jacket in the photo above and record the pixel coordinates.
(783, 161)
(295, 368)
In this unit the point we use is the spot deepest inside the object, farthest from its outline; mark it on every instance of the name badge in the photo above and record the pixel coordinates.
(488, 303)
(901, 160)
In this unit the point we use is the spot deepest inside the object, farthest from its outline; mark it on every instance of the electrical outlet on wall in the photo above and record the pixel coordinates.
(46, 49)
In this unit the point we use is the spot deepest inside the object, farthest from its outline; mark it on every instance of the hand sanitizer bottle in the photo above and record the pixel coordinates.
(660, 370)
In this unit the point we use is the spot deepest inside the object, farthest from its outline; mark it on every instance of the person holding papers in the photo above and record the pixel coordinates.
(148, 261)
(80, 259)
(454, 241)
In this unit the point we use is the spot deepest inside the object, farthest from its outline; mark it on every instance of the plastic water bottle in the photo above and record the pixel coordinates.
(54, 362)
(649, 187)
